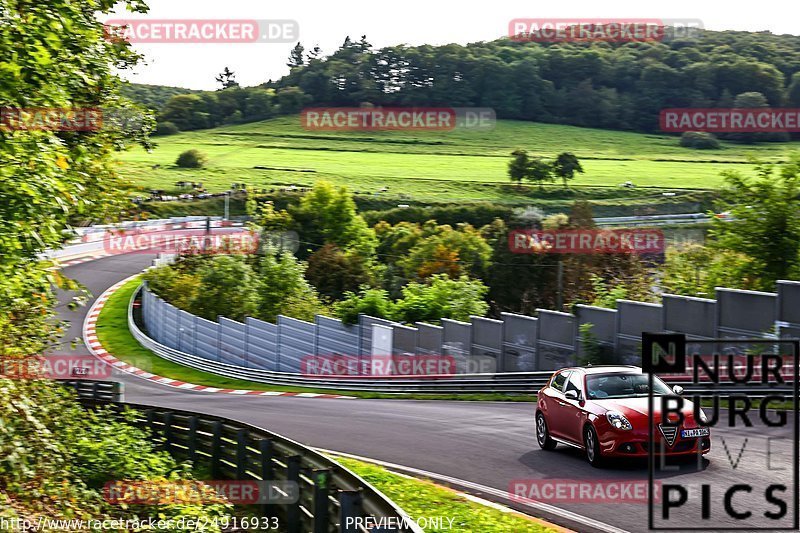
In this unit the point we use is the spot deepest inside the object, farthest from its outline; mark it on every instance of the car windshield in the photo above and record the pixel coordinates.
(601, 386)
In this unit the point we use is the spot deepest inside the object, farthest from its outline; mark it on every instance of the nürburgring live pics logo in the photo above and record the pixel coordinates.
(742, 487)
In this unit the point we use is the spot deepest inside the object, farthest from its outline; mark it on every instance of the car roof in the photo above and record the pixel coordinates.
(607, 369)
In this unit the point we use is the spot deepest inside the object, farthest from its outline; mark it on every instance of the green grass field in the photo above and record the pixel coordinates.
(433, 166)
(421, 499)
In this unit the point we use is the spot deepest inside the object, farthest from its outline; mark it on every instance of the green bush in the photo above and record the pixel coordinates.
(56, 457)
(699, 140)
(167, 128)
(191, 159)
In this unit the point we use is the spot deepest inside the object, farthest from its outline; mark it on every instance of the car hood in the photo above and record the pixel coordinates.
(638, 408)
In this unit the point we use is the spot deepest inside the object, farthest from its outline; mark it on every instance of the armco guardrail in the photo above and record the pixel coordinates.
(94, 238)
(87, 389)
(331, 497)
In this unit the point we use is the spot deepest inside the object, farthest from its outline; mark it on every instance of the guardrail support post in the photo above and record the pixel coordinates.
(191, 439)
(321, 479)
(349, 507)
(168, 431)
(293, 509)
(118, 395)
(267, 472)
(241, 453)
(216, 448)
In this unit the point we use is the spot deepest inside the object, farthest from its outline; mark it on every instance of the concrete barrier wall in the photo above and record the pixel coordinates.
(516, 343)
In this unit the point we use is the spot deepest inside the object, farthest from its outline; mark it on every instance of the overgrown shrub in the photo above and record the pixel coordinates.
(167, 128)
(191, 159)
(699, 140)
(56, 457)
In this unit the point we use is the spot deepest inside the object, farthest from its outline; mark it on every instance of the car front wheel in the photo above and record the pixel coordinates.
(542, 433)
(592, 446)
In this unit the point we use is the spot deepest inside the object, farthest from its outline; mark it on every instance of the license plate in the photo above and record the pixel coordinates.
(692, 433)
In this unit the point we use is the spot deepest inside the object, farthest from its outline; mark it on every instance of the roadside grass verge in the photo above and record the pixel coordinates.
(423, 499)
(113, 334)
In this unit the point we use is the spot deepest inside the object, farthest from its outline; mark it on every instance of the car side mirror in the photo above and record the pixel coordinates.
(677, 389)
(571, 395)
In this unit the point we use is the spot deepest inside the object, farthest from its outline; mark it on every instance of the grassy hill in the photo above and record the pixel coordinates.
(435, 166)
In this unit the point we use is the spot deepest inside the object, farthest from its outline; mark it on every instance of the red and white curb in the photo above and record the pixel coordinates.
(78, 261)
(96, 349)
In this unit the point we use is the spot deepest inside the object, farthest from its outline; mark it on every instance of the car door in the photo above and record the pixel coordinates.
(554, 398)
(572, 410)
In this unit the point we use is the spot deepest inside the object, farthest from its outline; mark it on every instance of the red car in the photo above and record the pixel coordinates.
(603, 410)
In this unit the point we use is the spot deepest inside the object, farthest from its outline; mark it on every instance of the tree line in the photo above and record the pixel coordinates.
(605, 85)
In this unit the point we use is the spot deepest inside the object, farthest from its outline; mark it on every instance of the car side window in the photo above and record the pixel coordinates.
(559, 380)
(575, 384)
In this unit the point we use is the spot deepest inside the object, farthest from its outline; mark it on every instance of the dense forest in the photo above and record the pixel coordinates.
(600, 84)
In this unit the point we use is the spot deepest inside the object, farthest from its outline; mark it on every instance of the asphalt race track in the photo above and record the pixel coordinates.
(489, 443)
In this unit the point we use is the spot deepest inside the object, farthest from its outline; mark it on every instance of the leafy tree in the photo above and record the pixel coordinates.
(227, 288)
(291, 100)
(166, 128)
(518, 167)
(187, 112)
(540, 172)
(258, 103)
(753, 100)
(55, 455)
(333, 272)
(227, 78)
(581, 215)
(191, 159)
(454, 252)
(793, 91)
(282, 286)
(565, 166)
(764, 221)
(372, 302)
(695, 270)
(270, 219)
(606, 292)
(442, 297)
(178, 286)
(328, 215)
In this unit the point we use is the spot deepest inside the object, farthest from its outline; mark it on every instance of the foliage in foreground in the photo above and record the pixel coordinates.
(55, 458)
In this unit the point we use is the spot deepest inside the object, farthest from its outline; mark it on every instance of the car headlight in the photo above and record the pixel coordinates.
(703, 417)
(618, 420)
